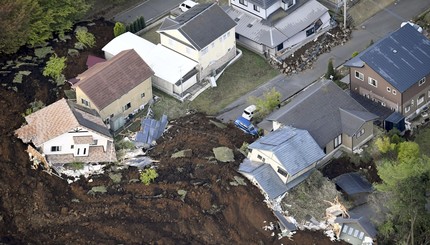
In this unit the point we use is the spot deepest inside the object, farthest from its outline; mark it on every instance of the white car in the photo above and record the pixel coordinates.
(187, 5)
(249, 111)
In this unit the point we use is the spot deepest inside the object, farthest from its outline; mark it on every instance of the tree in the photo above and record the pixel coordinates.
(142, 22)
(119, 29)
(135, 26)
(148, 175)
(267, 104)
(85, 37)
(407, 151)
(54, 67)
(331, 73)
(384, 144)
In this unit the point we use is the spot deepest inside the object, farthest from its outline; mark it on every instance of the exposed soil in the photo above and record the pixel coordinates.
(37, 208)
(344, 165)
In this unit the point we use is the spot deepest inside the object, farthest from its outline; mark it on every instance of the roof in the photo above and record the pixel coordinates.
(353, 183)
(402, 58)
(200, 25)
(92, 60)
(329, 112)
(295, 149)
(372, 106)
(263, 3)
(151, 130)
(271, 35)
(56, 119)
(395, 117)
(367, 227)
(267, 179)
(108, 81)
(157, 57)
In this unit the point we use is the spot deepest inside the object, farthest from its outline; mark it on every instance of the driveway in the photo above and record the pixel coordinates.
(151, 10)
(384, 22)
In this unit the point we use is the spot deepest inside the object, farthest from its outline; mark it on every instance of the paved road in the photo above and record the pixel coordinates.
(376, 27)
(150, 9)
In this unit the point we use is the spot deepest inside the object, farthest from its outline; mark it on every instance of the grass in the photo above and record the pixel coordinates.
(423, 140)
(366, 9)
(152, 35)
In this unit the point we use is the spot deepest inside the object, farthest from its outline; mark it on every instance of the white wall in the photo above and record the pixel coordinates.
(185, 85)
(270, 159)
(262, 13)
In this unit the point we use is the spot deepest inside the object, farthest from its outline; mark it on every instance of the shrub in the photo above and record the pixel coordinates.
(85, 37)
(267, 104)
(54, 67)
(75, 165)
(142, 22)
(119, 29)
(354, 54)
(148, 175)
(331, 73)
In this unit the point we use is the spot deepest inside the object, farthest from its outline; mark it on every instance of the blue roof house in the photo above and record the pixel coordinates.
(395, 71)
(281, 160)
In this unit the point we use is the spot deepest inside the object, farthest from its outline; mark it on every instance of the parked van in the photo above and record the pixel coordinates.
(187, 5)
(246, 126)
(249, 111)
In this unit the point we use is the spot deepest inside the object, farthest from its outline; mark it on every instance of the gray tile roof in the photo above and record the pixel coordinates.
(265, 4)
(201, 25)
(268, 180)
(367, 227)
(89, 118)
(325, 111)
(272, 35)
(402, 58)
(294, 148)
(353, 183)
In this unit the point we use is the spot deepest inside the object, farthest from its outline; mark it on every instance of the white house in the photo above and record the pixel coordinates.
(65, 132)
(271, 27)
(174, 73)
(204, 33)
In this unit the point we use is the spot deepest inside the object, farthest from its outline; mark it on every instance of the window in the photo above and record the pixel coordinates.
(373, 82)
(142, 95)
(55, 148)
(345, 229)
(422, 81)
(243, 2)
(420, 99)
(126, 107)
(107, 121)
(95, 142)
(85, 102)
(394, 92)
(85, 151)
(350, 230)
(256, 8)
(337, 141)
(205, 50)
(407, 108)
(261, 158)
(361, 236)
(72, 146)
(359, 75)
(356, 233)
(310, 31)
(360, 133)
(282, 172)
(388, 89)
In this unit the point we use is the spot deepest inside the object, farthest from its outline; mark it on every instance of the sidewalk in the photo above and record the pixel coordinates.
(384, 22)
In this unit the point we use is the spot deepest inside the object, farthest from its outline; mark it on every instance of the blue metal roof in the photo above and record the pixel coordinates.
(269, 181)
(395, 117)
(401, 58)
(294, 148)
(151, 130)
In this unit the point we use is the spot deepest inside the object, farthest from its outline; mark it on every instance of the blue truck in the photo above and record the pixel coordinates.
(246, 126)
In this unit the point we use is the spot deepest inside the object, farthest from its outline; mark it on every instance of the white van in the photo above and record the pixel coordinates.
(187, 5)
(249, 111)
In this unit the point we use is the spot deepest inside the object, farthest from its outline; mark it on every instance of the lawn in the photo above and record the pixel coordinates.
(422, 138)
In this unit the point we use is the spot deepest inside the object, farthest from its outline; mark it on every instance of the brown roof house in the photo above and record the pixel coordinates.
(116, 88)
(65, 132)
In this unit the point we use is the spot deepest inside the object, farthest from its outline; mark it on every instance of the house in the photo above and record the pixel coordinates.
(356, 230)
(116, 88)
(66, 132)
(355, 186)
(205, 34)
(174, 73)
(395, 71)
(281, 160)
(329, 114)
(271, 27)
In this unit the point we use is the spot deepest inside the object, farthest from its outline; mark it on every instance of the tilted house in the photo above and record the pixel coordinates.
(116, 88)
(204, 33)
(271, 27)
(174, 73)
(281, 160)
(65, 132)
(356, 230)
(330, 115)
(395, 71)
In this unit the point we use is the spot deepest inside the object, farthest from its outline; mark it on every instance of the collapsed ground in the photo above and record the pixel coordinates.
(38, 208)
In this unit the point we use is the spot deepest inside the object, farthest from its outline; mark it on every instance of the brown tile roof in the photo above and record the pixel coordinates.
(83, 139)
(107, 81)
(57, 119)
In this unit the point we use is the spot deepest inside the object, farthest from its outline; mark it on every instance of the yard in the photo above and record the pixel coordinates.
(422, 138)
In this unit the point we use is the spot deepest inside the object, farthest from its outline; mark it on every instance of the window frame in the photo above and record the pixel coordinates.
(422, 81)
(142, 95)
(370, 80)
(127, 106)
(394, 91)
(55, 148)
(337, 141)
(388, 89)
(243, 2)
(407, 108)
(360, 75)
(421, 99)
(256, 8)
(85, 102)
(282, 172)
(360, 133)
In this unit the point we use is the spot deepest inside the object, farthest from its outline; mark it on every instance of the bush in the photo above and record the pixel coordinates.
(119, 29)
(265, 105)
(54, 67)
(354, 54)
(148, 175)
(331, 73)
(142, 22)
(85, 37)
(34, 106)
(75, 165)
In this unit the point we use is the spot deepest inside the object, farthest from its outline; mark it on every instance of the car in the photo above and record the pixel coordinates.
(249, 111)
(246, 126)
(187, 5)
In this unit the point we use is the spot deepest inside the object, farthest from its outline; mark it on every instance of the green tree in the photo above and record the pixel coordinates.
(407, 151)
(330, 71)
(85, 37)
(119, 29)
(54, 67)
(267, 103)
(135, 26)
(354, 54)
(142, 22)
(148, 175)
(384, 144)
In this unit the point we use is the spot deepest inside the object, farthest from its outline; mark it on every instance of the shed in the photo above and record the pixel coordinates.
(395, 120)
(355, 186)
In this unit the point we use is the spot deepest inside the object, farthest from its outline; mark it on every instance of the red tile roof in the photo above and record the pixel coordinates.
(106, 82)
(92, 60)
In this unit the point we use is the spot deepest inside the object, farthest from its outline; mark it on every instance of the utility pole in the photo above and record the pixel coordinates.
(344, 14)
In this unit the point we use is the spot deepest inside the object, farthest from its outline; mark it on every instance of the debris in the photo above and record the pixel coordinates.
(218, 124)
(97, 189)
(183, 153)
(116, 178)
(223, 154)
(182, 194)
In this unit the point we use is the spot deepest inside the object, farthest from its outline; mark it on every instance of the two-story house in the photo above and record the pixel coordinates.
(116, 88)
(66, 132)
(204, 33)
(271, 27)
(329, 114)
(395, 71)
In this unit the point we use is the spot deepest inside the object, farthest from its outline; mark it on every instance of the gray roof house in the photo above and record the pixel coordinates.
(395, 71)
(271, 27)
(281, 160)
(204, 33)
(356, 230)
(355, 186)
(329, 114)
